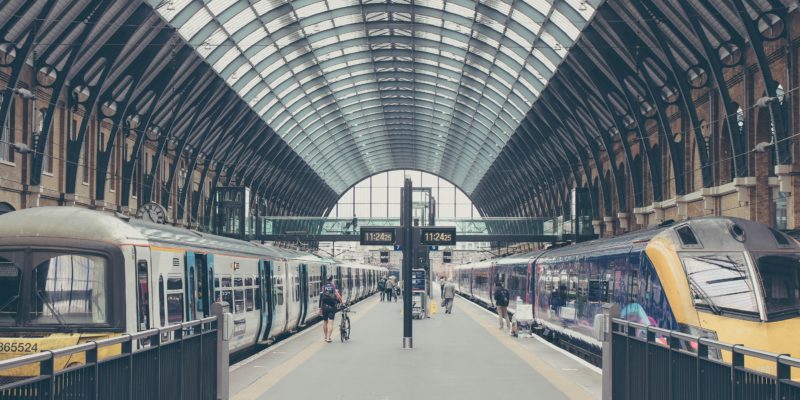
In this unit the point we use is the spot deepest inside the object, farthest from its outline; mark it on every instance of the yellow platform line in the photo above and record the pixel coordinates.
(275, 375)
(556, 377)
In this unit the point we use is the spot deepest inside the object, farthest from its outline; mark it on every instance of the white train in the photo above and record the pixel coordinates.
(68, 275)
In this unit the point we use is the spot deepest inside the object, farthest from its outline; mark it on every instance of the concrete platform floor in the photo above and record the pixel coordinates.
(460, 356)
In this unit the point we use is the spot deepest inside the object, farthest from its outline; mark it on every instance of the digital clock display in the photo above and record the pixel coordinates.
(438, 236)
(371, 236)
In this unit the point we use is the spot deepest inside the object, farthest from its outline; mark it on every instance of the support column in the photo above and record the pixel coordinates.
(683, 208)
(608, 222)
(709, 200)
(70, 199)
(99, 205)
(33, 194)
(598, 227)
(624, 219)
(744, 186)
(658, 207)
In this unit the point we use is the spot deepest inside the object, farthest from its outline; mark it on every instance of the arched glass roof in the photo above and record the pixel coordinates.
(357, 87)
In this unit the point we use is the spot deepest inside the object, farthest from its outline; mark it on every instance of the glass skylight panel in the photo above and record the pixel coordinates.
(238, 21)
(198, 21)
(561, 21)
(484, 83)
(226, 59)
(264, 6)
(254, 37)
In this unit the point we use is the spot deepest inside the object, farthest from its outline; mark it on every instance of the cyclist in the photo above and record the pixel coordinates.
(329, 298)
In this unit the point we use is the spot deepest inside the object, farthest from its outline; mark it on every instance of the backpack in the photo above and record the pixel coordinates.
(502, 299)
(382, 284)
(328, 295)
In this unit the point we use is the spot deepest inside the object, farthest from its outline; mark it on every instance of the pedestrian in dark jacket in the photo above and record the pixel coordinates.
(501, 299)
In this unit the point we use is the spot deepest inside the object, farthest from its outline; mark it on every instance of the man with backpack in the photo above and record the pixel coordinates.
(501, 299)
(329, 298)
(382, 287)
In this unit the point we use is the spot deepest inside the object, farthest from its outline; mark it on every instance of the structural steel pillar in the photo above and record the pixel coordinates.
(408, 260)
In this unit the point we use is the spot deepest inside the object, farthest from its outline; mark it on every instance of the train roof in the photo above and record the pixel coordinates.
(84, 224)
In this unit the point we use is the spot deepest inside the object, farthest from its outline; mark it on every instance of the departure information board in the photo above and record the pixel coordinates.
(377, 236)
(438, 236)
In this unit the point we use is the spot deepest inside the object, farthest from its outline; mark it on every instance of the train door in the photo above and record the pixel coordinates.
(190, 286)
(204, 271)
(303, 294)
(267, 305)
(143, 289)
(279, 297)
(493, 271)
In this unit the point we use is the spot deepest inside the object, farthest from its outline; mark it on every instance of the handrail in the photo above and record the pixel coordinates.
(46, 355)
(716, 344)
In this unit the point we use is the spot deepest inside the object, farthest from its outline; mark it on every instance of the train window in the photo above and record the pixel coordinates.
(70, 289)
(780, 238)
(175, 308)
(720, 281)
(238, 301)
(226, 281)
(10, 287)
(248, 281)
(227, 296)
(143, 292)
(780, 277)
(238, 282)
(687, 236)
(249, 299)
(216, 281)
(174, 283)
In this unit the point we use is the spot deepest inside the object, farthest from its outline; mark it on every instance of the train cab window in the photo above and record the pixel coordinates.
(10, 286)
(248, 281)
(720, 282)
(70, 289)
(780, 277)
(686, 234)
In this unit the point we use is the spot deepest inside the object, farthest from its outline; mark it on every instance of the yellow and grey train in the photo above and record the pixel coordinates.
(70, 275)
(734, 280)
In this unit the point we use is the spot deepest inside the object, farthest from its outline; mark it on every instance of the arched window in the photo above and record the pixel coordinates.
(6, 208)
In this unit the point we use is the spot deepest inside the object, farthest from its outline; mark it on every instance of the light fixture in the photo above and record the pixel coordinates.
(171, 5)
(582, 6)
(24, 93)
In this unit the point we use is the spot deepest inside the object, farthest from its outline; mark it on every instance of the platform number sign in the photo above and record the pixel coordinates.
(384, 257)
(439, 236)
(447, 257)
(377, 236)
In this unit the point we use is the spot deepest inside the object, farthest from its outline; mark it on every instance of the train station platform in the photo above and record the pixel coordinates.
(463, 355)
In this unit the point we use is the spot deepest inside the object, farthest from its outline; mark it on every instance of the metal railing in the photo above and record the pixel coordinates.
(175, 362)
(653, 363)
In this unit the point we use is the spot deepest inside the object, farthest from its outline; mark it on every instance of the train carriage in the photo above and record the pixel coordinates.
(730, 279)
(70, 275)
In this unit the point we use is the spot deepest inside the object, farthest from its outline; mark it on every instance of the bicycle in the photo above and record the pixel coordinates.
(344, 324)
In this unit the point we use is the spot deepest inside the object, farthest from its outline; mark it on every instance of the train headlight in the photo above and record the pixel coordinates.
(713, 353)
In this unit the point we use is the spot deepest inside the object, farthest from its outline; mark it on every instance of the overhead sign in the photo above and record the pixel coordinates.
(438, 236)
(377, 236)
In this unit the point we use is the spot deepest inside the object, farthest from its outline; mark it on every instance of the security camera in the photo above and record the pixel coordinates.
(762, 147)
(765, 101)
(24, 93)
(22, 148)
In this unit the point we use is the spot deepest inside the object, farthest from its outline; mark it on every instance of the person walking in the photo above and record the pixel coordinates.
(390, 288)
(382, 287)
(501, 298)
(449, 293)
(329, 298)
(441, 286)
